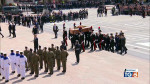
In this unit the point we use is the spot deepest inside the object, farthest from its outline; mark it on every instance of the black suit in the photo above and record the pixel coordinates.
(55, 29)
(122, 45)
(77, 52)
(1, 33)
(35, 31)
(10, 28)
(14, 29)
(36, 44)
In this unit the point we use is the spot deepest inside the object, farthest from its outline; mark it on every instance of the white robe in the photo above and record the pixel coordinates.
(6, 64)
(2, 66)
(12, 61)
(17, 63)
(22, 61)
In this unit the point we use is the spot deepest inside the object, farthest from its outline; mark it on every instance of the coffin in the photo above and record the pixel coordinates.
(83, 29)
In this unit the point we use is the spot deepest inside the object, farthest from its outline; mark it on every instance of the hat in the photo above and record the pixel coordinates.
(17, 50)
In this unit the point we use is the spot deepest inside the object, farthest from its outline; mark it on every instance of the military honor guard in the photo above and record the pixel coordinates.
(6, 64)
(50, 60)
(22, 63)
(12, 58)
(17, 62)
(64, 54)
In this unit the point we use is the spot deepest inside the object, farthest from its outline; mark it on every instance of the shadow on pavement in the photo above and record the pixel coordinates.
(28, 75)
(14, 78)
(53, 38)
(56, 71)
(17, 81)
(74, 64)
(33, 78)
(46, 76)
(60, 74)
(42, 73)
(70, 49)
(90, 51)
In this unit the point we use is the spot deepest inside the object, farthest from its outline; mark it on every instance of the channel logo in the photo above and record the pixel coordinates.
(131, 73)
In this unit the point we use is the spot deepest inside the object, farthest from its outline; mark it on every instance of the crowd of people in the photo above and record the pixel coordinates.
(132, 9)
(32, 61)
(64, 5)
(107, 42)
(39, 20)
(101, 10)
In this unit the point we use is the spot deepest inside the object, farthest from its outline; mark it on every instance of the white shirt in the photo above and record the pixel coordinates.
(22, 60)
(6, 62)
(17, 58)
(12, 57)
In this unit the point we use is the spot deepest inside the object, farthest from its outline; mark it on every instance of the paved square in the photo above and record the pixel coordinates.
(99, 67)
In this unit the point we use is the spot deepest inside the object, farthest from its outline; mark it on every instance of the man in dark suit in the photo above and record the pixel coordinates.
(77, 51)
(55, 29)
(35, 30)
(41, 26)
(123, 42)
(9, 28)
(14, 30)
(36, 44)
(1, 33)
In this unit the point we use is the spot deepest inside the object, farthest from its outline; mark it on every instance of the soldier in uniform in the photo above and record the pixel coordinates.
(12, 60)
(35, 60)
(40, 53)
(22, 62)
(17, 62)
(30, 62)
(6, 62)
(45, 59)
(63, 55)
(50, 57)
(65, 36)
(2, 65)
(26, 53)
(81, 41)
(58, 58)
(93, 42)
(100, 40)
(54, 51)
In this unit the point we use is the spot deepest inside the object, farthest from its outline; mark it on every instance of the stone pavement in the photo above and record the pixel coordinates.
(136, 29)
(98, 67)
